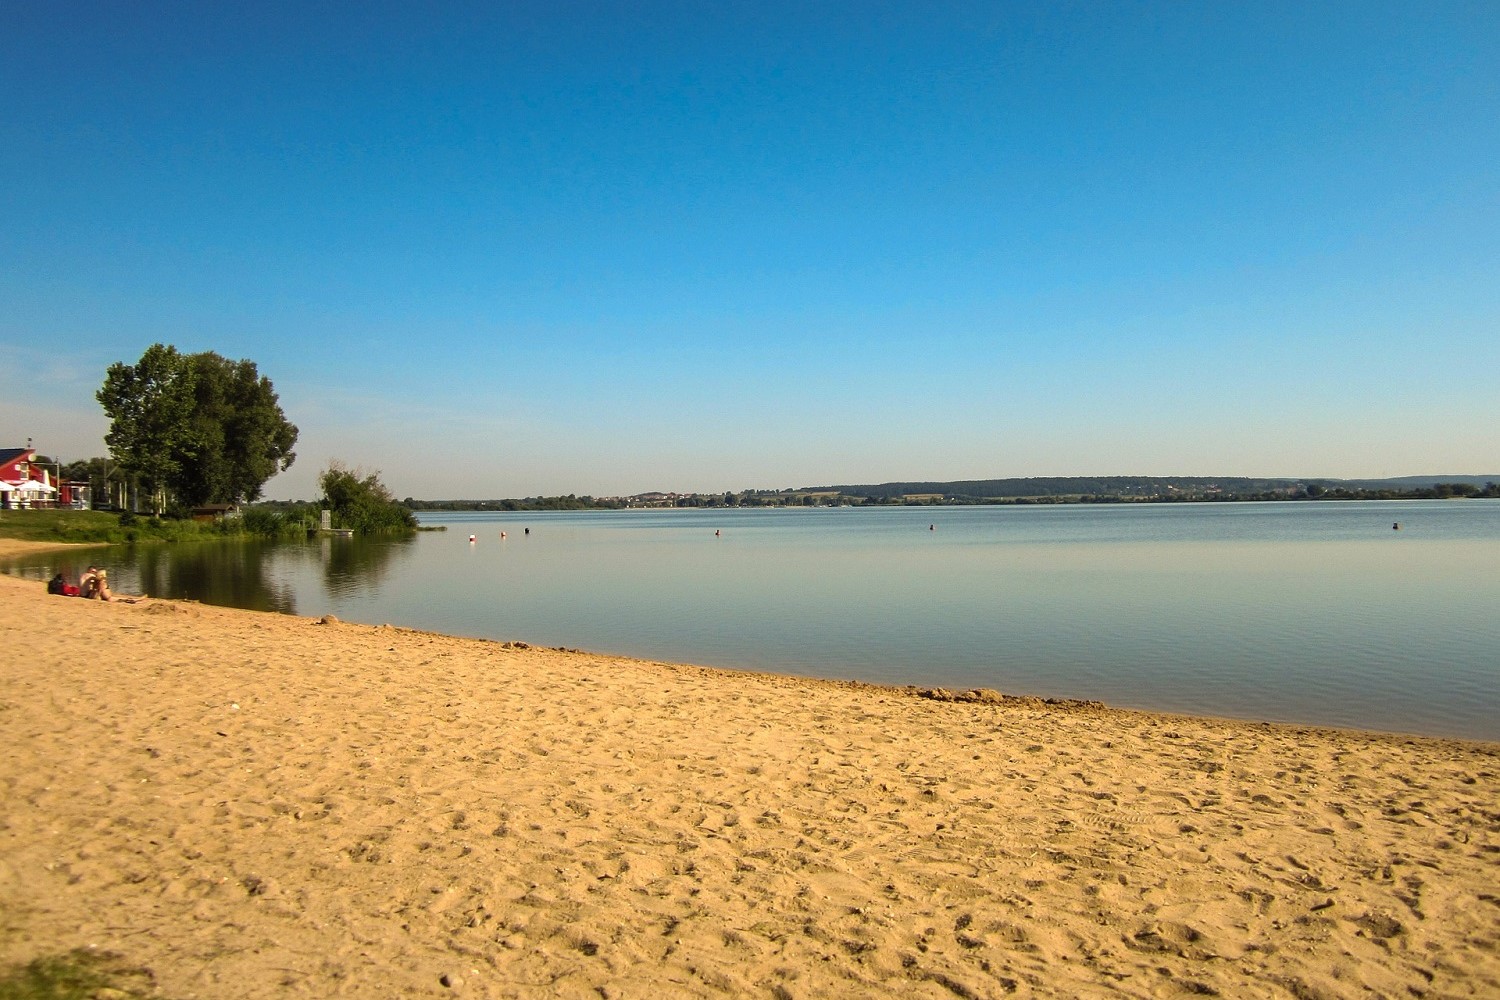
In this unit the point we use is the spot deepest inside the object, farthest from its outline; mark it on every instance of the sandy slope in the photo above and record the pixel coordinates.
(21, 547)
(265, 806)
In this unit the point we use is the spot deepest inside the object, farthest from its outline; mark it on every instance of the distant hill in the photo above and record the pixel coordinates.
(987, 489)
(1057, 489)
(1410, 482)
(1129, 486)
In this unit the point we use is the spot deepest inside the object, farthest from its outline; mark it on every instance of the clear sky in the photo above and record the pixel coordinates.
(503, 249)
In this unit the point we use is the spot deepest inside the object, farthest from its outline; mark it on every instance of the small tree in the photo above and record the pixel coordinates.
(362, 502)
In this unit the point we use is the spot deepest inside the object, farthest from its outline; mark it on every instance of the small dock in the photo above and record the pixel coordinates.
(325, 527)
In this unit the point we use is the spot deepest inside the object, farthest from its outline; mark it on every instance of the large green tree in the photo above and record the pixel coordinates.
(238, 436)
(197, 428)
(149, 405)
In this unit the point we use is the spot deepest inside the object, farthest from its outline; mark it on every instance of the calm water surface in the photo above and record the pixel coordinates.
(1303, 612)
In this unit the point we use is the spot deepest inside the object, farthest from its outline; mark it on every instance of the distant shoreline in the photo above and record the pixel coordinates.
(686, 502)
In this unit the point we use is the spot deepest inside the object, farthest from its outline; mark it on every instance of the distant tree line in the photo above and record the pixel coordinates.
(1141, 487)
(1311, 491)
(948, 494)
(569, 502)
(1437, 491)
(1069, 486)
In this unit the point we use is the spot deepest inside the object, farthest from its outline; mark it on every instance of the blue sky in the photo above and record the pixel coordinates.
(507, 249)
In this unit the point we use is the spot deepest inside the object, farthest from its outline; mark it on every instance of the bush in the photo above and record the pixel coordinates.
(259, 521)
(363, 502)
(86, 526)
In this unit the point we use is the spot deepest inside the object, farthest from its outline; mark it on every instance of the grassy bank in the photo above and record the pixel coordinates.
(99, 527)
(60, 526)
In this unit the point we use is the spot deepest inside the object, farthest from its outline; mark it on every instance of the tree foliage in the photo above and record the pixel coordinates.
(99, 473)
(149, 405)
(196, 427)
(239, 437)
(362, 502)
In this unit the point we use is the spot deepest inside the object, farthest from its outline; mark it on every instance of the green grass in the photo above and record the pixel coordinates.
(78, 975)
(60, 525)
(99, 527)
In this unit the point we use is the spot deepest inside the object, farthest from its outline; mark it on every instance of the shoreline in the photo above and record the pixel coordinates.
(1269, 637)
(14, 547)
(958, 695)
(257, 805)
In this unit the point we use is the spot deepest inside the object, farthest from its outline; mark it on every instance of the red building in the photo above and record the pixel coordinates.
(24, 482)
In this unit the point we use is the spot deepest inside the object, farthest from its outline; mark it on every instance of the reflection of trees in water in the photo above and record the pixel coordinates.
(232, 574)
(236, 574)
(41, 567)
(352, 564)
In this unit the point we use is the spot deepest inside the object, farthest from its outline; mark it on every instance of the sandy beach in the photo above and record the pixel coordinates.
(252, 805)
(21, 547)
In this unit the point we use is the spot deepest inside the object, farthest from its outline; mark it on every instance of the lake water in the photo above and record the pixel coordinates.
(1302, 612)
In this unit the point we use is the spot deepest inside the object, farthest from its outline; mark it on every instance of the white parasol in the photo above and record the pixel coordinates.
(35, 486)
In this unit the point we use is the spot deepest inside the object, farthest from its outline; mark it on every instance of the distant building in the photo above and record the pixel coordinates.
(215, 511)
(15, 464)
(654, 500)
(24, 482)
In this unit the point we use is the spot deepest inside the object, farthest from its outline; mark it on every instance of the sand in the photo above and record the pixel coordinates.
(23, 547)
(253, 805)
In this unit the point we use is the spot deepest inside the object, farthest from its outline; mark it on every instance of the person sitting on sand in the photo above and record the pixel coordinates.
(88, 583)
(94, 585)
